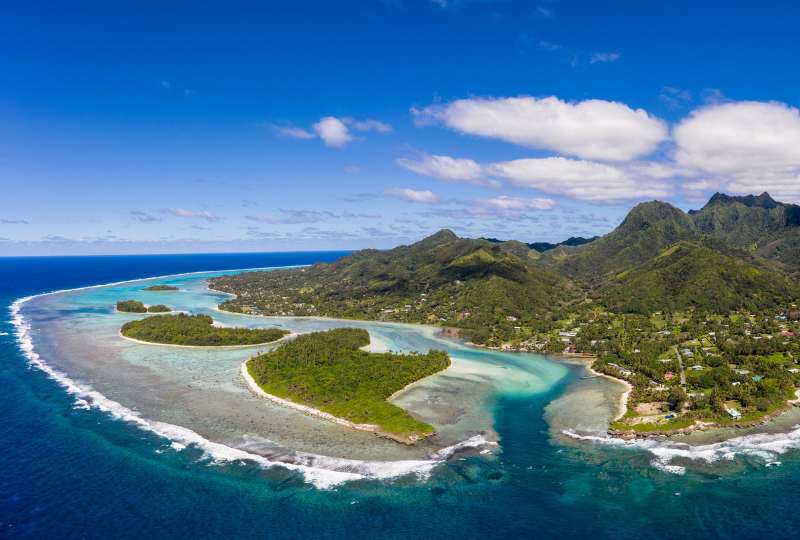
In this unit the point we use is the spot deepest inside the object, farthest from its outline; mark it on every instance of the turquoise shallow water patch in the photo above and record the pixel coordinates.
(74, 469)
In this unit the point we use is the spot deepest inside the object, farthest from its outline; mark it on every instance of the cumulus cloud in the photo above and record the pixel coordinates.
(592, 129)
(448, 169)
(371, 215)
(14, 221)
(409, 195)
(333, 132)
(576, 179)
(180, 212)
(515, 203)
(740, 138)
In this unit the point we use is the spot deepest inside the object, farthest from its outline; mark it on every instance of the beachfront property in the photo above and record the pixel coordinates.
(736, 415)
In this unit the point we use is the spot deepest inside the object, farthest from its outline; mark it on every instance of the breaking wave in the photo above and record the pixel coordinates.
(321, 471)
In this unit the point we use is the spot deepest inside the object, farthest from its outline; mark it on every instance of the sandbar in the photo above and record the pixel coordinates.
(287, 336)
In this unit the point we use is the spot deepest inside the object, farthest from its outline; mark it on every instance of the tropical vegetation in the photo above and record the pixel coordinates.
(328, 371)
(196, 330)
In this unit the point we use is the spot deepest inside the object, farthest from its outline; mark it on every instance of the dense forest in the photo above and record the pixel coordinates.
(134, 306)
(196, 330)
(327, 371)
(160, 288)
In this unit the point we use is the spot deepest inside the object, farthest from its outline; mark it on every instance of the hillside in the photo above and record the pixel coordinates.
(648, 229)
(329, 372)
(704, 273)
(437, 279)
(659, 257)
(755, 223)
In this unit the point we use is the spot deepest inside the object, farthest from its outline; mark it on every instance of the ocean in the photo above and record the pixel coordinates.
(105, 439)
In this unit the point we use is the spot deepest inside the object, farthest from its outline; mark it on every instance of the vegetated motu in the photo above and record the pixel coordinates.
(325, 370)
(134, 306)
(196, 330)
(160, 288)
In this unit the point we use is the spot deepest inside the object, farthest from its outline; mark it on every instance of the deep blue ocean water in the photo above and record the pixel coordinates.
(69, 472)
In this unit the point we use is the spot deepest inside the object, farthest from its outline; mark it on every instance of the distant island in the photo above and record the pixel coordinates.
(327, 372)
(160, 288)
(134, 306)
(196, 331)
(696, 312)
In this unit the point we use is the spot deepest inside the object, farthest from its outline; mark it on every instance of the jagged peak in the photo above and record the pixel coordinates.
(655, 211)
(751, 201)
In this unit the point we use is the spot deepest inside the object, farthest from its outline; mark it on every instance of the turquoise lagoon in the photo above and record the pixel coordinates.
(520, 446)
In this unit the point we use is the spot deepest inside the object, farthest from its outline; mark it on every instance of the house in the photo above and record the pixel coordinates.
(668, 376)
(665, 360)
(736, 415)
(697, 368)
(741, 371)
(510, 318)
(794, 371)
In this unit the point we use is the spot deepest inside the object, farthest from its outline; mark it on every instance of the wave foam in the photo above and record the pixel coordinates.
(764, 446)
(322, 471)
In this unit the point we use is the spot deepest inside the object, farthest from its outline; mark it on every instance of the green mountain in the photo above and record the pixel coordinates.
(426, 281)
(736, 252)
(701, 272)
(756, 223)
(648, 229)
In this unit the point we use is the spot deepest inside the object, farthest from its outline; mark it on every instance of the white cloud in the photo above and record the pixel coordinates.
(579, 180)
(740, 138)
(333, 132)
(576, 179)
(603, 57)
(409, 195)
(592, 129)
(515, 203)
(294, 132)
(372, 125)
(371, 215)
(180, 212)
(453, 170)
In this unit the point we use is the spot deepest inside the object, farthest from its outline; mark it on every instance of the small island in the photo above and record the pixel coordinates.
(326, 371)
(196, 331)
(160, 288)
(135, 306)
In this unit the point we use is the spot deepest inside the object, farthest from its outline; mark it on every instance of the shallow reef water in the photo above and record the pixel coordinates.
(105, 438)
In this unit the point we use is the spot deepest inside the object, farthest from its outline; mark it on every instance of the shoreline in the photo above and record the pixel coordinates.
(251, 383)
(287, 336)
(170, 312)
(623, 399)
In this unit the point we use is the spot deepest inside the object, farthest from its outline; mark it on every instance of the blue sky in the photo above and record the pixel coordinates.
(276, 126)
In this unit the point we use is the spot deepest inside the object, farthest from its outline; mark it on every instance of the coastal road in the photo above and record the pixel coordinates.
(680, 361)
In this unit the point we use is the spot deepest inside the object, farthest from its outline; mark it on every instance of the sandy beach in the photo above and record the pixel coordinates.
(287, 336)
(623, 399)
(297, 406)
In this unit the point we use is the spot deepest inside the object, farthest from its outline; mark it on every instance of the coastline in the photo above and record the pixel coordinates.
(287, 336)
(170, 312)
(251, 383)
(409, 386)
(623, 399)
